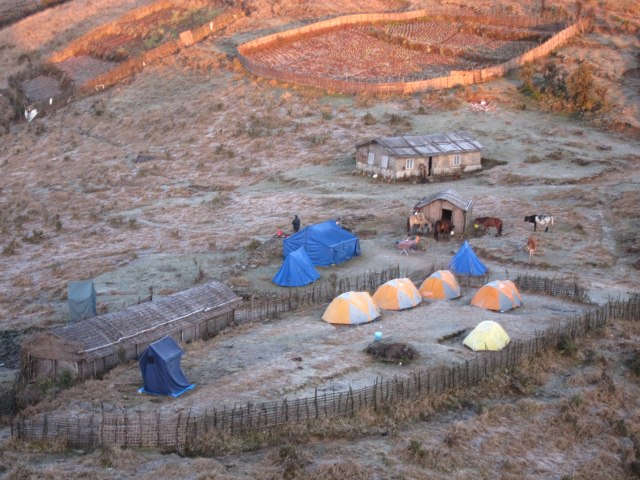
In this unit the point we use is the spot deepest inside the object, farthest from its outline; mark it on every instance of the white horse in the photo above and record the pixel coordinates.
(543, 220)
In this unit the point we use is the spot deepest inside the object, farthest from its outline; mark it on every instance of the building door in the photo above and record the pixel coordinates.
(447, 214)
(430, 166)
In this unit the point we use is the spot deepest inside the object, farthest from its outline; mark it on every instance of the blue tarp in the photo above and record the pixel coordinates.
(296, 270)
(81, 298)
(325, 243)
(465, 262)
(160, 367)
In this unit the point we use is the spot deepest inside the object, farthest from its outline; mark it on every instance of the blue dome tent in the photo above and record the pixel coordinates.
(325, 243)
(296, 270)
(160, 367)
(465, 262)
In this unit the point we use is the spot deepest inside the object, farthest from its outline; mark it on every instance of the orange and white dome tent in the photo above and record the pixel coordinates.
(499, 295)
(397, 294)
(487, 335)
(351, 308)
(440, 285)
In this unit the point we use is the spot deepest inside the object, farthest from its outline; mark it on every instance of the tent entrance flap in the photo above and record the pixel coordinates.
(161, 371)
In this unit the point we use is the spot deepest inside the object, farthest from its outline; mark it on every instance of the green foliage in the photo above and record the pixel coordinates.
(253, 245)
(560, 91)
(567, 346)
(634, 364)
(10, 248)
(65, 379)
(583, 91)
(369, 119)
(36, 236)
(122, 354)
(154, 39)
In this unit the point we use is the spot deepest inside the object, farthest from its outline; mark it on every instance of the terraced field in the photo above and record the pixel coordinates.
(393, 52)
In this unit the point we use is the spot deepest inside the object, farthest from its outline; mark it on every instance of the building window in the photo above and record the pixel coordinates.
(371, 158)
(384, 161)
(456, 160)
(409, 163)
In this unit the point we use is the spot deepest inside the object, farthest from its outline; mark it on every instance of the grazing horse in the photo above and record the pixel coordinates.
(544, 220)
(488, 222)
(418, 221)
(442, 226)
(532, 244)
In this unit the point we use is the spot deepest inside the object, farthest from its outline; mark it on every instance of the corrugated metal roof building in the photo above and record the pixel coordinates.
(92, 346)
(421, 156)
(447, 205)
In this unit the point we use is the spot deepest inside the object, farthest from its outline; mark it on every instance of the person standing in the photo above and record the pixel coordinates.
(296, 224)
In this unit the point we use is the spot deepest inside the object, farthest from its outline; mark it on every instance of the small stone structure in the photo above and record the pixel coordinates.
(422, 156)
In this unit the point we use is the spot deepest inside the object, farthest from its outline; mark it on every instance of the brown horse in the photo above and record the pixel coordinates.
(532, 245)
(417, 221)
(442, 226)
(487, 222)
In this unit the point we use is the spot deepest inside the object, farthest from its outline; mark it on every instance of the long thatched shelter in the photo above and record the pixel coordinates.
(92, 346)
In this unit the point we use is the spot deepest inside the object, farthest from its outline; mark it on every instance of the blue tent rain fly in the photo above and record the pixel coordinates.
(325, 243)
(296, 270)
(81, 298)
(465, 262)
(160, 367)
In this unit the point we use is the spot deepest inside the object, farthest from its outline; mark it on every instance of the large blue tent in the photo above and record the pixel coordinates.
(296, 270)
(465, 262)
(160, 367)
(325, 243)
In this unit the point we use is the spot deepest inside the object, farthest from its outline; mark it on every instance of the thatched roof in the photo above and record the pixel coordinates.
(428, 145)
(146, 322)
(448, 195)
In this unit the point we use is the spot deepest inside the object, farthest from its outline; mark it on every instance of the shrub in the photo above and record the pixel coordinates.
(567, 346)
(582, 90)
(36, 236)
(10, 248)
(253, 245)
(369, 119)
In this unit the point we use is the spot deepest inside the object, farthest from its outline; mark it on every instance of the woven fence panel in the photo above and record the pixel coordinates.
(149, 429)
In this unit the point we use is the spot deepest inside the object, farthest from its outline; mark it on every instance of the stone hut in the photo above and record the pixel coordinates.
(92, 346)
(421, 156)
(447, 205)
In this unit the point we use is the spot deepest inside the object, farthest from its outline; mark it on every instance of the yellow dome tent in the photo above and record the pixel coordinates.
(351, 308)
(440, 285)
(397, 294)
(487, 335)
(499, 295)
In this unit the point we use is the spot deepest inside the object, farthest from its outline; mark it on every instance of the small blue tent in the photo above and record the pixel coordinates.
(465, 262)
(81, 298)
(325, 243)
(160, 367)
(296, 270)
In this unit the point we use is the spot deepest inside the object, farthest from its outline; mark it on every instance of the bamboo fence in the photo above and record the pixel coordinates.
(183, 430)
(403, 86)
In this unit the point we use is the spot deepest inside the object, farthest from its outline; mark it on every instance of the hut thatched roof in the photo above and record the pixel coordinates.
(145, 322)
(447, 195)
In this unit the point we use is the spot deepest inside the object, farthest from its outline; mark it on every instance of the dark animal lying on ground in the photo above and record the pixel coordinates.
(543, 220)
